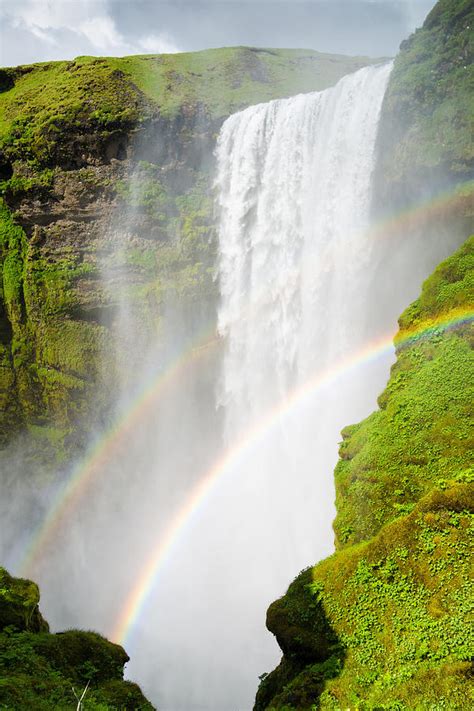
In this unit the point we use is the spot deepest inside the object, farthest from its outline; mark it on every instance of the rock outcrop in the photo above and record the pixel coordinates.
(39, 670)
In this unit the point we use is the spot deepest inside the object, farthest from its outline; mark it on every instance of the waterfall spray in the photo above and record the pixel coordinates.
(293, 194)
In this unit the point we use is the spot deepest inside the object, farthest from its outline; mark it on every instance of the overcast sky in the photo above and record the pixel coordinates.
(41, 30)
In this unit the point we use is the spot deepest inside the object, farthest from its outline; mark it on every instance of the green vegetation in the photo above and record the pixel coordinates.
(62, 124)
(428, 114)
(49, 361)
(41, 671)
(422, 436)
(19, 600)
(225, 80)
(52, 109)
(48, 110)
(384, 622)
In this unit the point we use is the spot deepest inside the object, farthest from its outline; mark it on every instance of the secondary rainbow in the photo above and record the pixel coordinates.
(83, 475)
(228, 463)
(98, 455)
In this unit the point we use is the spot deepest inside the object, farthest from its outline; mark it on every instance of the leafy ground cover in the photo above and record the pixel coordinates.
(384, 622)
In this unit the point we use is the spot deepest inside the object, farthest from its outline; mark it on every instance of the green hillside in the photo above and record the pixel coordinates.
(40, 102)
(384, 622)
(427, 127)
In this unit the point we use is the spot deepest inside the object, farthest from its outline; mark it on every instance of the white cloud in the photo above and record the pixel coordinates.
(102, 33)
(56, 22)
(53, 14)
(158, 44)
(66, 28)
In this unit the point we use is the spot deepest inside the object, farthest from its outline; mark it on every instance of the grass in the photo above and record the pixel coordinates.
(106, 96)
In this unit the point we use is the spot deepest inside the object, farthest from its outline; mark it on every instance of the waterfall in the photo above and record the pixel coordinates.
(294, 248)
(294, 265)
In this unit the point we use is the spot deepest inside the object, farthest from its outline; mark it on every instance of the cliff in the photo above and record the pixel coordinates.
(384, 622)
(425, 137)
(105, 168)
(39, 670)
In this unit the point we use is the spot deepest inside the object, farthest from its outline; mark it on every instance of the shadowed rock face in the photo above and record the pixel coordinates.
(40, 670)
(311, 648)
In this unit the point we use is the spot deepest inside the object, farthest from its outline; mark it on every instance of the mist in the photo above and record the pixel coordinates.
(210, 480)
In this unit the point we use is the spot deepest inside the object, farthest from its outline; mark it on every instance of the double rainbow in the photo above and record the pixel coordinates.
(91, 466)
(231, 459)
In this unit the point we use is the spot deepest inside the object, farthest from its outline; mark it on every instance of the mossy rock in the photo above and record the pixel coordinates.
(288, 619)
(19, 604)
(82, 655)
(41, 671)
(425, 132)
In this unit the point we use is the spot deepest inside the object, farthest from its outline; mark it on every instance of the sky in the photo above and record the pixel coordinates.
(43, 30)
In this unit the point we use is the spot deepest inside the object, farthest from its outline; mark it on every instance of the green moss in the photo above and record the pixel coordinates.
(54, 100)
(428, 112)
(19, 601)
(24, 184)
(422, 434)
(396, 597)
(50, 360)
(39, 670)
(12, 249)
(49, 286)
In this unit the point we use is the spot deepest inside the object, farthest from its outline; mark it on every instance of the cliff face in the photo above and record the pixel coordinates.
(40, 670)
(105, 168)
(383, 623)
(425, 136)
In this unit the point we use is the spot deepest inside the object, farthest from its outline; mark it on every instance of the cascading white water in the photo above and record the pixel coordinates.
(294, 191)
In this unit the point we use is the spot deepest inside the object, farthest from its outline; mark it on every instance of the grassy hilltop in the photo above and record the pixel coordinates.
(40, 102)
